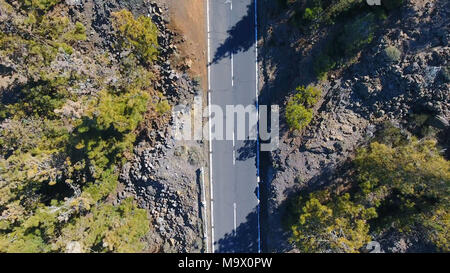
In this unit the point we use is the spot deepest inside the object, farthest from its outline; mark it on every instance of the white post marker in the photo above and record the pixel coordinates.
(205, 232)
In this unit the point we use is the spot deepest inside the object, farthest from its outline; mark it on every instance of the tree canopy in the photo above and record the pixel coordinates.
(394, 187)
(299, 110)
(61, 147)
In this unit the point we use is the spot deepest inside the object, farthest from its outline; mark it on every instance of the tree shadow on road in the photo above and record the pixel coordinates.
(244, 239)
(241, 37)
(247, 151)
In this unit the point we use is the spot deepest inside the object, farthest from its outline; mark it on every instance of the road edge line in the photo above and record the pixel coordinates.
(209, 124)
(257, 127)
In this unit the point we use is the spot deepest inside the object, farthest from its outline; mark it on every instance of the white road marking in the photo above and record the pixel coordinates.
(234, 151)
(232, 69)
(233, 140)
(234, 216)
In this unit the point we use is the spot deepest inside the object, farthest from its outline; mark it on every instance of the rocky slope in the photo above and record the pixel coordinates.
(159, 173)
(163, 183)
(357, 99)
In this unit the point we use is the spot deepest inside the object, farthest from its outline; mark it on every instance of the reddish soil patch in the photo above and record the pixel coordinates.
(188, 19)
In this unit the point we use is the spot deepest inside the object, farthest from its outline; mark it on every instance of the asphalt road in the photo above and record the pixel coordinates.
(232, 81)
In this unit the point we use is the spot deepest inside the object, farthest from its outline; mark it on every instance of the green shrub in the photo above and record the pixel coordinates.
(163, 107)
(297, 116)
(421, 125)
(108, 229)
(317, 12)
(312, 14)
(406, 183)
(33, 236)
(356, 35)
(328, 223)
(394, 187)
(340, 8)
(322, 65)
(341, 48)
(392, 54)
(57, 170)
(391, 135)
(39, 5)
(299, 111)
(40, 99)
(78, 33)
(140, 36)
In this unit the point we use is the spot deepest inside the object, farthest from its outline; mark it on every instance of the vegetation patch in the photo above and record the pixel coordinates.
(358, 20)
(401, 184)
(342, 47)
(393, 54)
(299, 109)
(60, 151)
(327, 222)
(138, 35)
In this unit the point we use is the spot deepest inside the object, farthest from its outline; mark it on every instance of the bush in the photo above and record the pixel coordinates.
(312, 14)
(394, 187)
(39, 5)
(78, 33)
(391, 135)
(406, 183)
(163, 107)
(317, 12)
(341, 8)
(103, 135)
(322, 65)
(326, 222)
(356, 35)
(108, 229)
(57, 167)
(298, 116)
(299, 111)
(345, 45)
(140, 36)
(392, 54)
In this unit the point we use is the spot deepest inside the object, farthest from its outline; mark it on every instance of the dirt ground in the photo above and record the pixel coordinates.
(188, 19)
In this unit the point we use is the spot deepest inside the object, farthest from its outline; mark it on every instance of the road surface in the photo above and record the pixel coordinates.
(232, 81)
